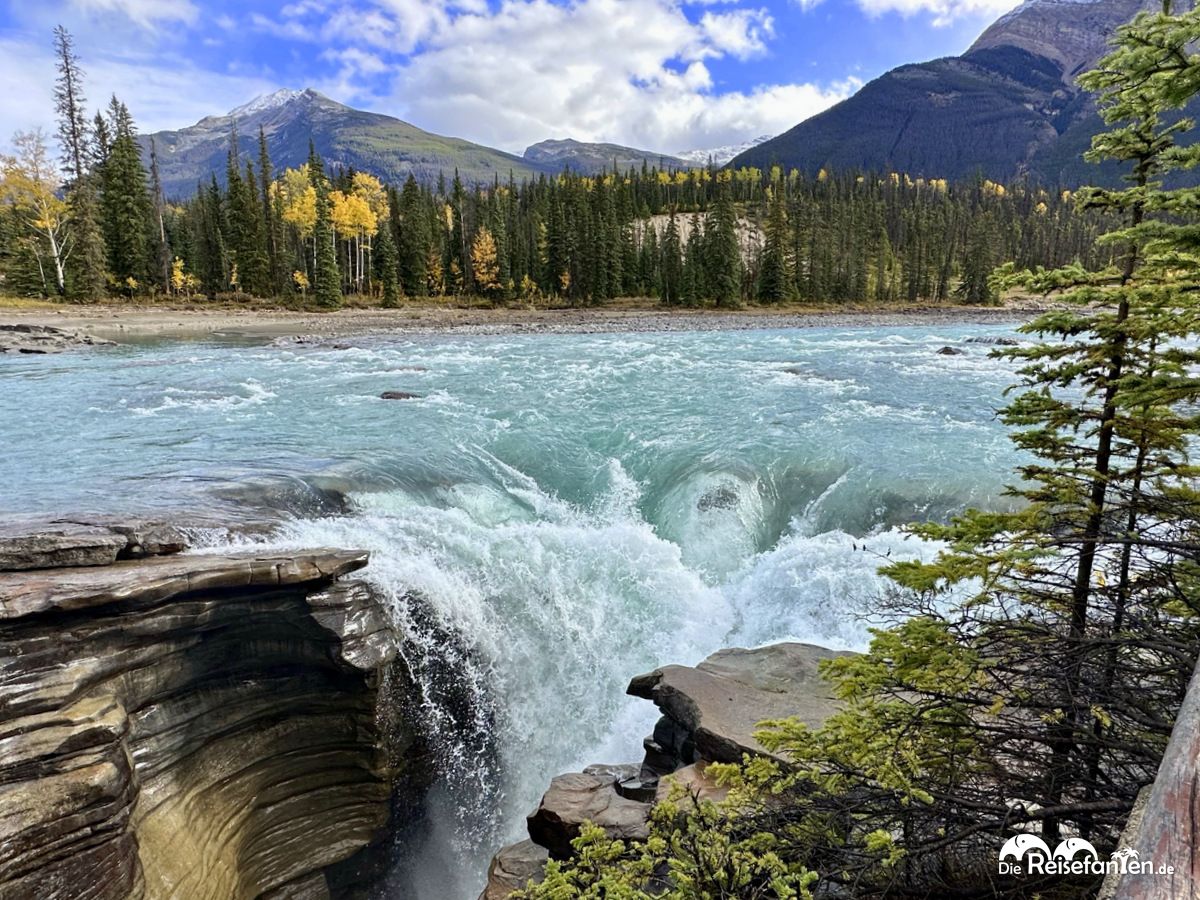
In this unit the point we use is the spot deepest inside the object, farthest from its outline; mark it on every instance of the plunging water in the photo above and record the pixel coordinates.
(550, 516)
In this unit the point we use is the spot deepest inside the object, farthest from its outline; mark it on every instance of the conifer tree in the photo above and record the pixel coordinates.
(386, 264)
(723, 249)
(975, 287)
(125, 203)
(672, 263)
(87, 277)
(158, 234)
(272, 237)
(774, 277)
(415, 241)
(327, 281)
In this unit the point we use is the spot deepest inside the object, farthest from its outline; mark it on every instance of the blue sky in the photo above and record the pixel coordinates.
(666, 75)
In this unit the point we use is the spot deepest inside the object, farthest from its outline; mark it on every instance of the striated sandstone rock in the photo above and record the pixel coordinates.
(187, 727)
(713, 710)
(89, 541)
(513, 867)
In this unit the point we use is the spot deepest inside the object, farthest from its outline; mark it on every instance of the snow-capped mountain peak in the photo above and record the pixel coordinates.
(273, 100)
(721, 155)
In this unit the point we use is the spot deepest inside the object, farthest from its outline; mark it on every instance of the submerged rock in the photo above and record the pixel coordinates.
(994, 341)
(723, 496)
(714, 709)
(399, 395)
(513, 868)
(951, 351)
(200, 726)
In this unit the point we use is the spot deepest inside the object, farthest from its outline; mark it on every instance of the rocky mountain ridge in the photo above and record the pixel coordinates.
(1008, 108)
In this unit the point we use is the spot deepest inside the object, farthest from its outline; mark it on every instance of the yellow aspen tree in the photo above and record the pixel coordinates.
(370, 190)
(484, 263)
(27, 183)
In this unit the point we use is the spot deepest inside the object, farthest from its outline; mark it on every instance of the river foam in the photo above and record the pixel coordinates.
(552, 517)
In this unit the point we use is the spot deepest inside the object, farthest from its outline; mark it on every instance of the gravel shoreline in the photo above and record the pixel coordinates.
(119, 323)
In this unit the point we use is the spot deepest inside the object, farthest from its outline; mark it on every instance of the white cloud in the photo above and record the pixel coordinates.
(146, 13)
(630, 71)
(942, 12)
(161, 94)
(642, 72)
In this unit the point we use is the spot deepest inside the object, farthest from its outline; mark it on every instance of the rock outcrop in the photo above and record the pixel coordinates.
(41, 339)
(589, 796)
(513, 868)
(710, 714)
(185, 726)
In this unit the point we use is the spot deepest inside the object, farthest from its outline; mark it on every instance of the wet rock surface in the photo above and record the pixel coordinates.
(713, 710)
(513, 868)
(588, 796)
(174, 725)
(43, 339)
(710, 714)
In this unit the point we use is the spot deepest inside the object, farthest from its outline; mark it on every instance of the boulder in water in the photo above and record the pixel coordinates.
(724, 496)
(399, 395)
(951, 351)
(994, 341)
(714, 709)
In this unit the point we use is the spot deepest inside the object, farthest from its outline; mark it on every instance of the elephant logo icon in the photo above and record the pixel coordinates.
(1019, 845)
(1072, 846)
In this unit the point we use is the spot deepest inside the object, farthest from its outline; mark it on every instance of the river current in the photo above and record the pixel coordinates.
(551, 515)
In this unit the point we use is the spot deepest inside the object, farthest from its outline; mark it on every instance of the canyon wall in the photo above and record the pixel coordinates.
(191, 726)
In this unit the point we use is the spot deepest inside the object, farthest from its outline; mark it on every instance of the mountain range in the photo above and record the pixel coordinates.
(1007, 108)
(372, 142)
(367, 141)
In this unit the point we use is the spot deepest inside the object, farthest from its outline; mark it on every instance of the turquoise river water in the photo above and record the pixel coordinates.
(553, 515)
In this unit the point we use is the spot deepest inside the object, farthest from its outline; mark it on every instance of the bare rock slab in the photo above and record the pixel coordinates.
(589, 796)
(513, 868)
(716, 706)
(43, 339)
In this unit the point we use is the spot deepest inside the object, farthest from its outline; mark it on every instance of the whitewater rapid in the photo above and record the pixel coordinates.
(551, 515)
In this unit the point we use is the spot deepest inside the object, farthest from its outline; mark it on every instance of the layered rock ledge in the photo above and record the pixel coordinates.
(187, 726)
(710, 713)
(42, 339)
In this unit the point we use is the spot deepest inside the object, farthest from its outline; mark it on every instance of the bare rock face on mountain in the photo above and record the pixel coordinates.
(200, 726)
(591, 158)
(1007, 108)
(1073, 34)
